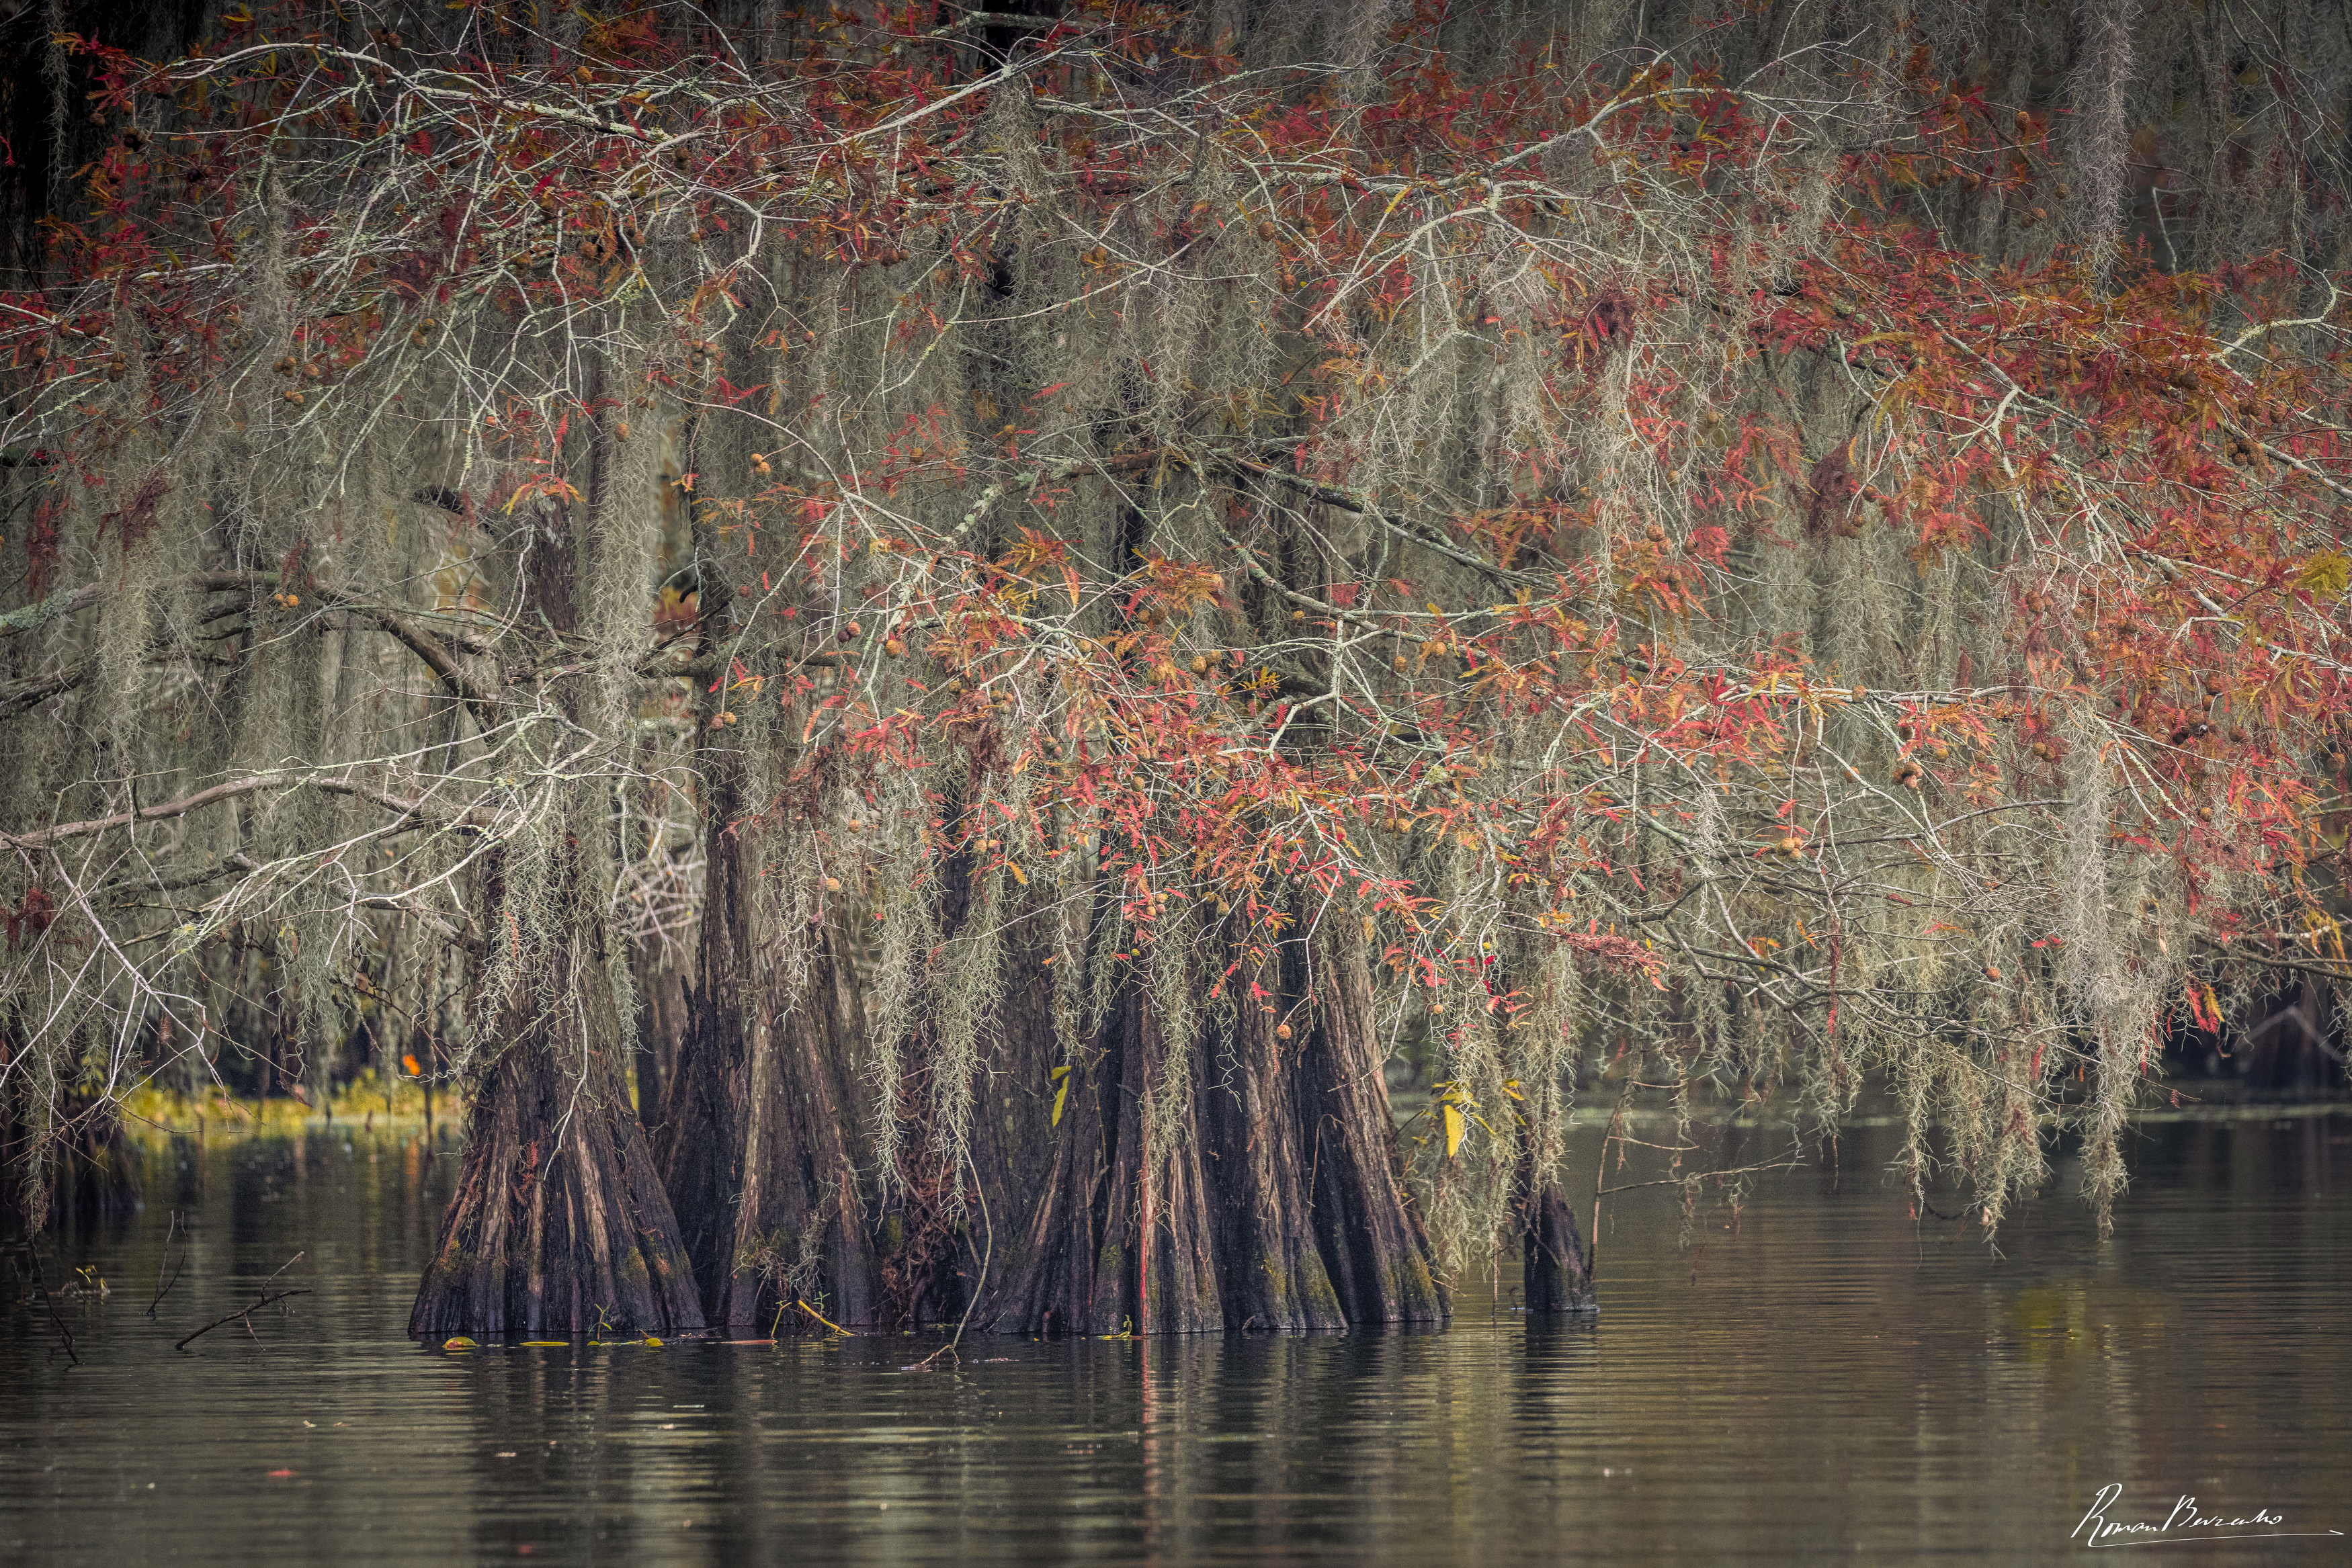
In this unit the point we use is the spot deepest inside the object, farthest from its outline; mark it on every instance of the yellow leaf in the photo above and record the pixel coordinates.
(1456, 1127)
(2327, 575)
(1061, 1092)
(458, 1342)
(1018, 873)
(547, 1344)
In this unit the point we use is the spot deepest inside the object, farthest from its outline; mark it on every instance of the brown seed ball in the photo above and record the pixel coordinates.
(853, 630)
(894, 647)
(1199, 666)
(1282, 1031)
(833, 884)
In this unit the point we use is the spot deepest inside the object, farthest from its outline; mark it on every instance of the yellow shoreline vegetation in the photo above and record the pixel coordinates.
(153, 1112)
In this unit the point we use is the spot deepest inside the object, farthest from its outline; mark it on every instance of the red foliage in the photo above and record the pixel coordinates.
(35, 913)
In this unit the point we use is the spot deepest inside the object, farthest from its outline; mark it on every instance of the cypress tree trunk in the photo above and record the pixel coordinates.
(1556, 1271)
(1282, 1206)
(1373, 1246)
(756, 1142)
(1266, 1249)
(662, 1015)
(699, 1144)
(757, 1145)
(1117, 1237)
(560, 1224)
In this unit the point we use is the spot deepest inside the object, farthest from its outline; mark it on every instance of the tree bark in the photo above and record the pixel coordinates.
(1266, 1249)
(756, 1142)
(560, 1224)
(1556, 1270)
(758, 1145)
(1281, 1207)
(1374, 1245)
(1117, 1237)
(663, 1019)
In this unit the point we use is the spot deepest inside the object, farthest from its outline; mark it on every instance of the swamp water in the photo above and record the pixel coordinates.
(1817, 1380)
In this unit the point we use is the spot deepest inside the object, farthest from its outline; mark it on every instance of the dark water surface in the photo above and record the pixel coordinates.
(1820, 1382)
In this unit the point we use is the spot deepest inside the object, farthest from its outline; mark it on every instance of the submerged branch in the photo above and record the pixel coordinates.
(246, 1314)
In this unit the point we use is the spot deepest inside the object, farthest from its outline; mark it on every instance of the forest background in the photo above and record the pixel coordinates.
(919, 645)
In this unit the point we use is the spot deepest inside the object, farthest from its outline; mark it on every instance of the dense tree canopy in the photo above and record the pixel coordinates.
(1021, 603)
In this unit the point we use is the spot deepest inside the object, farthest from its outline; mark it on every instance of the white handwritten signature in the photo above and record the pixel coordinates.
(2185, 1522)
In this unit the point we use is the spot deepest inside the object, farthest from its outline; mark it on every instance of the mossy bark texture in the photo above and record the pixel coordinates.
(560, 1224)
(1280, 1206)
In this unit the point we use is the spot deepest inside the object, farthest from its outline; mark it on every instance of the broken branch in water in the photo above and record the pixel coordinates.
(50, 1300)
(244, 1313)
(163, 1286)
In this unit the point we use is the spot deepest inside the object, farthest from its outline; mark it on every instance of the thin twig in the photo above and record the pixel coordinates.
(163, 1286)
(50, 1300)
(1789, 1164)
(989, 1231)
(245, 1314)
